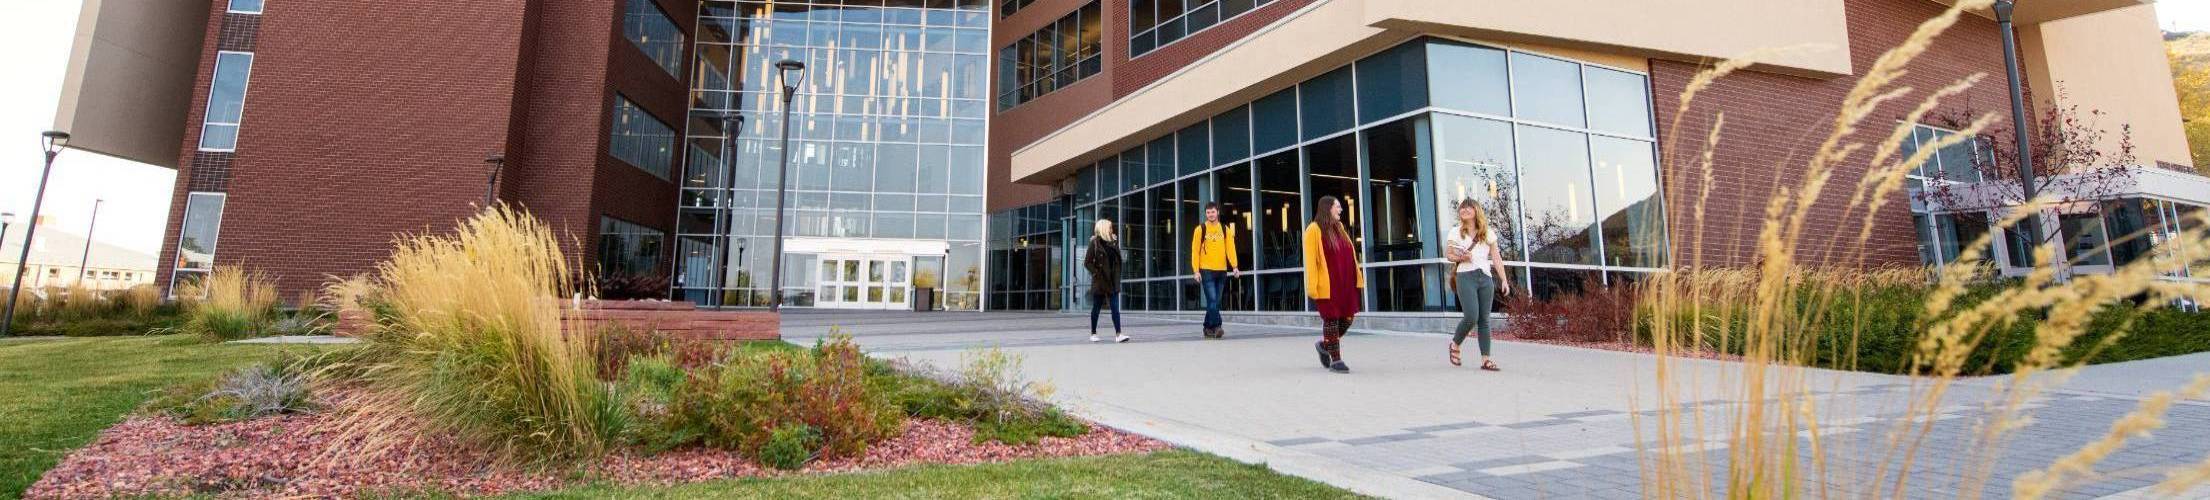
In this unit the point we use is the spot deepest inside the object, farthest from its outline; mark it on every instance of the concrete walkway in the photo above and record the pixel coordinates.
(1558, 422)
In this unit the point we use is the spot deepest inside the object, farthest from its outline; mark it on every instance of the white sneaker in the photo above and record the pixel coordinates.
(1122, 339)
(1093, 338)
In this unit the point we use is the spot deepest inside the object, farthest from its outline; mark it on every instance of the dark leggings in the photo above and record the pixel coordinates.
(1331, 336)
(1476, 293)
(1098, 302)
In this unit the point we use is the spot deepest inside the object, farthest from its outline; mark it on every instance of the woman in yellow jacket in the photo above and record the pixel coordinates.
(1332, 279)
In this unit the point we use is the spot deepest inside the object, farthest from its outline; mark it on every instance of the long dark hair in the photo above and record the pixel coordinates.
(1325, 216)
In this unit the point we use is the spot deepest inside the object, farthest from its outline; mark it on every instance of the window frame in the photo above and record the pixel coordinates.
(665, 172)
(1188, 8)
(231, 7)
(177, 267)
(674, 67)
(1038, 74)
(244, 89)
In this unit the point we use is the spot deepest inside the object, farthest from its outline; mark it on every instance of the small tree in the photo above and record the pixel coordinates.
(2070, 167)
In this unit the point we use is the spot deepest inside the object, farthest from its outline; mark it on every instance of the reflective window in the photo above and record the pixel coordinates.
(1164, 246)
(1324, 103)
(2084, 239)
(1628, 206)
(1161, 159)
(1274, 121)
(628, 249)
(1477, 163)
(651, 31)
(1231, 136)
(1392, 82)
(1398, 190)
(1156, 23)
(1053, 57)
(1232, 189)
(226, 101)
(1280, 212)
(1135, 219)
(1554, 180)
(1331, 169)
(640, 139)
(1192, 145)
(1618, 102)
(1546, 90)
(245, 6)
(1189, 213)
(1473, 78)
(195, 249)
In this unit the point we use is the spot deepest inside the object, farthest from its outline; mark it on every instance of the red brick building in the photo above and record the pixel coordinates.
(1561, 117)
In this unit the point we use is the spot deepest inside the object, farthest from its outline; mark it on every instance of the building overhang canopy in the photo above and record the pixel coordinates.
(128, 89)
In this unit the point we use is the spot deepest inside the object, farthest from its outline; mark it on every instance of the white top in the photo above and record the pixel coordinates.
(1478, 250)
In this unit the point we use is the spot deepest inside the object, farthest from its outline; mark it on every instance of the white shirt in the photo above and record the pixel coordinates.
(1477, 251)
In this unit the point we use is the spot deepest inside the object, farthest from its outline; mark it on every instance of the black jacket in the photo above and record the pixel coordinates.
(1103, 262)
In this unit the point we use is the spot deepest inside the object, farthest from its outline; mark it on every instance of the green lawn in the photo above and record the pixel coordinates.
(1168, 474)
(55, 395)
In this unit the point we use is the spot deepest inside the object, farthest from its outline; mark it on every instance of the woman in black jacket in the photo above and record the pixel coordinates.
(1103, 262)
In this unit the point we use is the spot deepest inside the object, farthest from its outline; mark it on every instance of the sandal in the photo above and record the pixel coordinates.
(1454, 360)
(1490, 366)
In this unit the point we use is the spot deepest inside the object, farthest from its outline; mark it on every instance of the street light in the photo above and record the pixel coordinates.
(2032, 222)
(782, 176)
(491, 190)
(86, 259)
(54, 140)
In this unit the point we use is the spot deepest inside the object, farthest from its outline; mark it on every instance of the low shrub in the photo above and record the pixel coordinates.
(84, 312)
(272, 388)
(1589, 312)
(230, 304)
(741, 401)
(988, 393)
(790, 446)
(299, 323)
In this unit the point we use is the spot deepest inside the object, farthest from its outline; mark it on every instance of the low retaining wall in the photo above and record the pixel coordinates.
(677, 320)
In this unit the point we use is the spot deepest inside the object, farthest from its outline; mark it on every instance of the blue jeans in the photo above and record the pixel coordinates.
(1211, 282)
(1099, 302)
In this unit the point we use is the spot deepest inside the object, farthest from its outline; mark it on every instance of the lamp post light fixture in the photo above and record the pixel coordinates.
(2032, 222)
(784, 70)
(54, 141)
(491, 189)
(86, 260)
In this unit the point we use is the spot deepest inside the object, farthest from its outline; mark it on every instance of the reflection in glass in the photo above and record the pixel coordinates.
(1280, 212)
(1477, 163)
(1325, 103)
(1191, 148)
(1231, 136)
(1232, 189)
(1406, 288)
(1331, 168)
(1281, 292)
(1392, 82)
(1554, 178)
(1546, 90)
(1469, 78)
(1618, 102)
(1274, 121)
(1631, 212)
(1164, 245)
(2084, 239)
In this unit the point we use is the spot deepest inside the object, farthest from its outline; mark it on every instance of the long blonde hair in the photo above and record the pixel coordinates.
(1104, 230)
(1479, 230)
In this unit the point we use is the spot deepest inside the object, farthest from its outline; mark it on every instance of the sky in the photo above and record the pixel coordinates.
(37, 35)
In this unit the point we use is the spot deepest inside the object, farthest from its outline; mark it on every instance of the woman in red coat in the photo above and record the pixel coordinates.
(1332, 279)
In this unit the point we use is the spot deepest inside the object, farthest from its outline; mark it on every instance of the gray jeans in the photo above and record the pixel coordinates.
(1476, 294)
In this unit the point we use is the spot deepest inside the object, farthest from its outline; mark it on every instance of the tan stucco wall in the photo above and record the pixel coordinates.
(129, 82)
(1815, 31)
(2114, 62)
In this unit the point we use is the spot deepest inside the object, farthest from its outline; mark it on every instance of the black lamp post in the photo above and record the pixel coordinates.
(782, 176)
(54, 140)
(730, 120)
(2032, 222)
(491, 189)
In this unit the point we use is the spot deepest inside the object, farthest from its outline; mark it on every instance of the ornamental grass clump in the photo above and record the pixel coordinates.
(276, 387)
(472, 345)
(1786, 318)
(231, 303)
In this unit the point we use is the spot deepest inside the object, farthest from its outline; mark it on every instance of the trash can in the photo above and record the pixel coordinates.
(924, 299)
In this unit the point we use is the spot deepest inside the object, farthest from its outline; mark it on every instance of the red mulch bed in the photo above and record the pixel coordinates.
(300, 456)
(1612, 345)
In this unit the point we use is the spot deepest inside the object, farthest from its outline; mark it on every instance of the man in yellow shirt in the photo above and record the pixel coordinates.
(1212, 259)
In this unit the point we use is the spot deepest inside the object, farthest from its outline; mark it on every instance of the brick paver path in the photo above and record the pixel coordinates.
(1557, 423)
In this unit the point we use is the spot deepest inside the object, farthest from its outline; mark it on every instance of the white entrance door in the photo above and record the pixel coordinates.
(865, 282)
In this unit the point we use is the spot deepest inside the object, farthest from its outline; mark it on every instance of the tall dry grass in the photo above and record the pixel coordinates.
(1774, 442)
(472, 344)
(232, 303)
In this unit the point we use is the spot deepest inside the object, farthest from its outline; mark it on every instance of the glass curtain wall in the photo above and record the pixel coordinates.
(886, 139)
(1399, 136)
(1027, 258)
